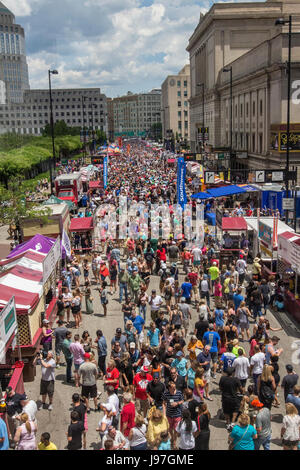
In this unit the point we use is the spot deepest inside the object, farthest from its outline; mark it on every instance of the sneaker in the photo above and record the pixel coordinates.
(50, 407)
(44, 406)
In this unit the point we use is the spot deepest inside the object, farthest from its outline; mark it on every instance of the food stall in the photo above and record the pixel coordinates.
(30, 277)
(288, 268)
(232, 230)
(58, 220)
(84, 227)
(262, 236)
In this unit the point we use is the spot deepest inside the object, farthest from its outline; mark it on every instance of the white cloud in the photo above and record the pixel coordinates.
(117, 45)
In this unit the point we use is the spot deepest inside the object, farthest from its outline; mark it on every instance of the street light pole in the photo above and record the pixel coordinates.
(282, 22)
(83, 124)
(203, 128)
(53, 72)
(229, 69)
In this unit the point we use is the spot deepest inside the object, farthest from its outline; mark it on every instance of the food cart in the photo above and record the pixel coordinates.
(30, 277)
(82, 228)
(288, 268)
(232, 230)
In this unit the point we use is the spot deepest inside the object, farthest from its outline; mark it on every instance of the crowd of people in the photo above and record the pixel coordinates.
(160, 371)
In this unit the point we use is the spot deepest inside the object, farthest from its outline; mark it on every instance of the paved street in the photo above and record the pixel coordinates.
(56, 422)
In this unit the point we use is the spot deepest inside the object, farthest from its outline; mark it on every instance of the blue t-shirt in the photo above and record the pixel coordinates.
(237, 299)
(201, 358)
(191, 373)
(154, 337)
(219, 317)
(186, 289)
(243, 439)
(295, 400)
(165, 445)
(227, 359)
(180, 366)
(212, 338)
(3, 433)
(138, 323)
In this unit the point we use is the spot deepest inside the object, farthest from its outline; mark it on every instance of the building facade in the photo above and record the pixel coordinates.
(175, 117)
(26, 111)
(32, 115)
(242, 36)
(135, 114)
(13, 64)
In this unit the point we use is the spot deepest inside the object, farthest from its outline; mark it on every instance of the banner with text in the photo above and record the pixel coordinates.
(8, 326)
(181, 172)
(105, 170)
(51, 260)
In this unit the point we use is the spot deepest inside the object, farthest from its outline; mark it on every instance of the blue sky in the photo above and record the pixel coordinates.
(117, 45)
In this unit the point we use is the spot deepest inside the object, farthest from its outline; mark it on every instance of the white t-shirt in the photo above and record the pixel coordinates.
(257, 361)
(138, 436)
(241, 365)
(114, 400)
(186, 440)
(241, 266)
(203, 311)
(119, 439)
(171, 281)
(204, 286)
(30, 409)
(48, 373)
(107, 420)
(156, 302)
(291, 425)
(197, 253)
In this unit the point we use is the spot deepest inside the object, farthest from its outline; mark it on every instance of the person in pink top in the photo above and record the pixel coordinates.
(78, 355)
(217, 290)
(25, 434)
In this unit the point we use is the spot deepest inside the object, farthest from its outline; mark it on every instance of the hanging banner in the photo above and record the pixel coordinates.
(105, 169)
(51, 259)
(66, 243)
(181, 172)
(8, 326)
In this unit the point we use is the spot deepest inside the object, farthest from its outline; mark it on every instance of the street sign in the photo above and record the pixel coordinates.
(209, 177)
(288, 204)
(260, 176)
(277, 175)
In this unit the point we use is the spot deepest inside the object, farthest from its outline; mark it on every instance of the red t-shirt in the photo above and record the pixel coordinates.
(113, 375)
(162, 254)
(128, 416)
(140, 384)
(193, 278)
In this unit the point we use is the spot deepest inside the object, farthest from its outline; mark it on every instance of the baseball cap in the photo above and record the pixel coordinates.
(132, 345)
(289, 368)
(257, 404)
(45, 321)
(182, 299)
(87, 356)
(155, 375)
(23, 397)
(179, 354)
(118, 330)
(144, 369)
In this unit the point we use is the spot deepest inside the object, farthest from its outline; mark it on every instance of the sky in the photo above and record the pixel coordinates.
(117, 45)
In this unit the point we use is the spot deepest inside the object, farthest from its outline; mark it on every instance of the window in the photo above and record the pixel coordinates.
(185, 83)
(247, 109)
(241, 110)
(253, 108)
(260, 143)
(253, 142)
(186, 124)
(261, 108)
(185, 103)
(242, 140)
(179, 93)
(179, 104)
(236, 111)
(178, 83)
(185, 93)
(179, 113)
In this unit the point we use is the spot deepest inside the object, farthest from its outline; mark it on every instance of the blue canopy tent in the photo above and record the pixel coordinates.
(225, 191)
(201, 196)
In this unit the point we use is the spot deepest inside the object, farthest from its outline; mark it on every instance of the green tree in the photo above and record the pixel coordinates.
(156, 131)
(14, 207)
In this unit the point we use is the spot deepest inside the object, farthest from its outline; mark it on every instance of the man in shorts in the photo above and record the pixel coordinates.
(140, 383)
(184, 308)
(48, 366)
(204, 359)
(212, 338)
(230, 387)
(172, 406)
(87, 377)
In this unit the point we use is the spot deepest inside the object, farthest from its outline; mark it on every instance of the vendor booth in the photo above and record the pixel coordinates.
(232, 230)
(58, 220)
(262, 235)
(30, 277)
(288, 268)
(82, 230)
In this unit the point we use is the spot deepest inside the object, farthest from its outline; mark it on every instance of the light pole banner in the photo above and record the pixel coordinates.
(66, 243)
(105, 169)
(181, 172)
(51, 259)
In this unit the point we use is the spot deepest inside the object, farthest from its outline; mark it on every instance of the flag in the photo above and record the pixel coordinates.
(181, 172)
(105, 172)
(66, 243)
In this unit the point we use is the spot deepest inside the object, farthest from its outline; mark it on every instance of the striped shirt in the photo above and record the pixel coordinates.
(169, 398)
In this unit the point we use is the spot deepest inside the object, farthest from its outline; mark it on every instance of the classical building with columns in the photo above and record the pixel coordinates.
(243, 38)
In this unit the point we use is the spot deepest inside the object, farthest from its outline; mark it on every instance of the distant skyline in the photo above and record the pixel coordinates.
(117, 45)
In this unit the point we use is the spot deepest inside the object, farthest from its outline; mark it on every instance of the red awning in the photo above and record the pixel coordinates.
(290, 236)
(234, 223)
(81, 224)
(95, 184)
(171, 160)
